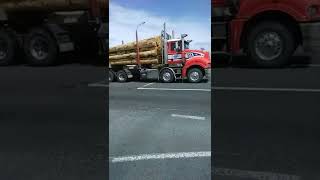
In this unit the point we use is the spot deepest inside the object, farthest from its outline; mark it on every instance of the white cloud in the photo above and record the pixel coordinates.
(123, 22)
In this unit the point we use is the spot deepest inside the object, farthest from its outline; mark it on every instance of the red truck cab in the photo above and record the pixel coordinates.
(196, 62)
(269, 31)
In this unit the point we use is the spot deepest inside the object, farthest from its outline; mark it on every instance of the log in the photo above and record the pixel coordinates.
(150, 43)
(149, 49)
(122, 62)
(150, 61)
(147, 61)
(152, 53)
(132, 59)
(132, 51)
(147, 44)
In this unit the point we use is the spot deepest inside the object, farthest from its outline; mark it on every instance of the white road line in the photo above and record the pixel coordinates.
(179, 155)
(149, 84)
(266, 89)
(256, 175)
(188, 117)
(170, 89)
(306, 90)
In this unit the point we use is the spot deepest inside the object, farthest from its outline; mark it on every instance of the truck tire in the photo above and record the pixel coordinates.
(166, 76)
(111, 76)
(270, 44)
(195, 75)
(40, 48)
(122, 76)
(7, 48)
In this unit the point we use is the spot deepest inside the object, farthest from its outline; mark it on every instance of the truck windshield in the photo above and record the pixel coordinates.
(186, 44)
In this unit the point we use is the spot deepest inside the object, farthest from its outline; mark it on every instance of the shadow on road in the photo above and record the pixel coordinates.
(83, 60)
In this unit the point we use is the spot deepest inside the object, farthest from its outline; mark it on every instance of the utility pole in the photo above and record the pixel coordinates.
(137, 44)
(165, 51)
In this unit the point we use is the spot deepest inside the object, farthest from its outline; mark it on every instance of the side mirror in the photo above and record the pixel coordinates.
(184, 35)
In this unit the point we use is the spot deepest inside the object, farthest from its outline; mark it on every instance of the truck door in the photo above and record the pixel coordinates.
(174, 52)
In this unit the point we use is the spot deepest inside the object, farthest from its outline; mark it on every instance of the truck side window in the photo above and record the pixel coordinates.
(173, 46)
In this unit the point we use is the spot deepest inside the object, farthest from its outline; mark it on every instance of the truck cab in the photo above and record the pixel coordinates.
(195, 63)
(175, 50)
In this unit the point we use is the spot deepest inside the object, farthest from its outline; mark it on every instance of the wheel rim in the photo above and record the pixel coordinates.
(194, 76)
(268, 45)
(3, 49)
(166, 76)
(39, 48)
(121, 77)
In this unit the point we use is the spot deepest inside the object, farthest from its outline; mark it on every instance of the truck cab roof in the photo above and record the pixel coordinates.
(175, 40)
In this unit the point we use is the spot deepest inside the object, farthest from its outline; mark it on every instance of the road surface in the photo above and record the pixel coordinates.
(159, 131)
(267, 122)
(53, 126)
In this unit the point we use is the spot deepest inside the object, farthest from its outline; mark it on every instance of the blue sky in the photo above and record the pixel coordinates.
(188, 16)
(194, 9)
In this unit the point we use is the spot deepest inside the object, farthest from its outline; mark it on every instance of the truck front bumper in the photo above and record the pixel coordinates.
(311, 36)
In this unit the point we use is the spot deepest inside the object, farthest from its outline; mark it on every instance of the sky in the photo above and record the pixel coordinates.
(183, 16)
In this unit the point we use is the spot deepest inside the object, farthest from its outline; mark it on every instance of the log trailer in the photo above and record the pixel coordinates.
(268, 31)
(177, 61)
(38, 31)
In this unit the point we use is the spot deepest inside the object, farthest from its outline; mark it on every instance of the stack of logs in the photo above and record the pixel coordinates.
(149, 51)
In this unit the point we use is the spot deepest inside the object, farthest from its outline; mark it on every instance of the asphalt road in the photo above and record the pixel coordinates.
(52, 125)
(159, 131)
(267, 122)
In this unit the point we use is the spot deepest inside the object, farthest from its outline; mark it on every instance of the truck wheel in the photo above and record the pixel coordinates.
(111, 76)
(122, 76)
(166, 76)
(195, 75)
(270, 44)
(7, 48)
(40, 48)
